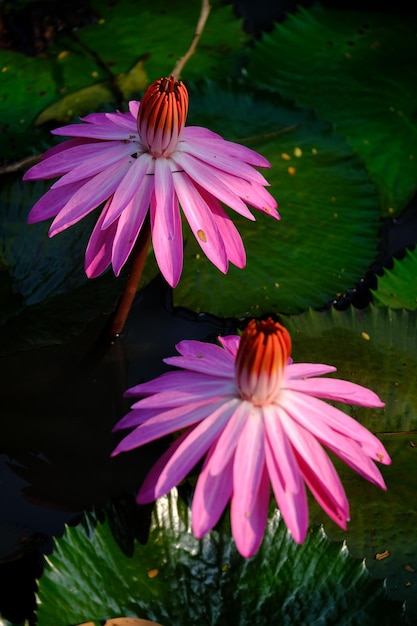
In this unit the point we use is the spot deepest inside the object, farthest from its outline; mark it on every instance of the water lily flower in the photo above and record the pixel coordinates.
(258, 420)
(148, 160)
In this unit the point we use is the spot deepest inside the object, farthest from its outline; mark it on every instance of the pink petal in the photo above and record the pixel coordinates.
(248, 529)
(167, 244)
(231, 238)
(199, 391)
(206, 177)
(306, 370)
(224, 448)
(214, 157)
(211, 496)
(336, 390)
(316, 416)
(249, 503)
(201, 221)
(285, 476)
(317, 470)
(192, 449)
(230, 343)
(353, 452)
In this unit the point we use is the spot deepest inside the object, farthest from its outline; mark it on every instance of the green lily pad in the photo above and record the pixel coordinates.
(81, 71)
(397, 287)
(175, 578)
(327, 237)
(356, 70)
(374, 347)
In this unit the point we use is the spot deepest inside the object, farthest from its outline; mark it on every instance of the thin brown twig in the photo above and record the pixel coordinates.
(138, 263)
(179, 66)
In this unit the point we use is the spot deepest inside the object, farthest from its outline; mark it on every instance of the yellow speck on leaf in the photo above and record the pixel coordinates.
(380, 556)
(285, 156)
(152, 573)
(298, 152)
(63, 55)
(365, 336)
(291, 171)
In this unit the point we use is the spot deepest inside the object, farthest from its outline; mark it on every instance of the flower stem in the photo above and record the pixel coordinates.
(138, 263)
(205, 10)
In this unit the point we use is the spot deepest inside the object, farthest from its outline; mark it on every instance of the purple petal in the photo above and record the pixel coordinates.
(51, 203)
(119, 153)
(129, 225)
(147, 492)
(89, 196)
(170, 421)
(105, 130)
(230, 343)
(201, 221)
(81, 161)
(99, 248)
(175, 380)
(130, 187)
(203, 357)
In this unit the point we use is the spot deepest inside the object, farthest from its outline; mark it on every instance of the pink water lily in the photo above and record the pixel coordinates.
(143, 161)
(256, 418)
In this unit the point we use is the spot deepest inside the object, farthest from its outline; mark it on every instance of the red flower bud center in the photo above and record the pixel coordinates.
(264, 350)
(162, 114)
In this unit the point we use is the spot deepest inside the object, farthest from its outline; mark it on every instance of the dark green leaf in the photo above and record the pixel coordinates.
(357, 70)
(176, 579)
(327, 236)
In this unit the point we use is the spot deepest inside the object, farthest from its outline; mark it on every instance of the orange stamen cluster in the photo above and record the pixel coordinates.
(264, 350)
(162, 115)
